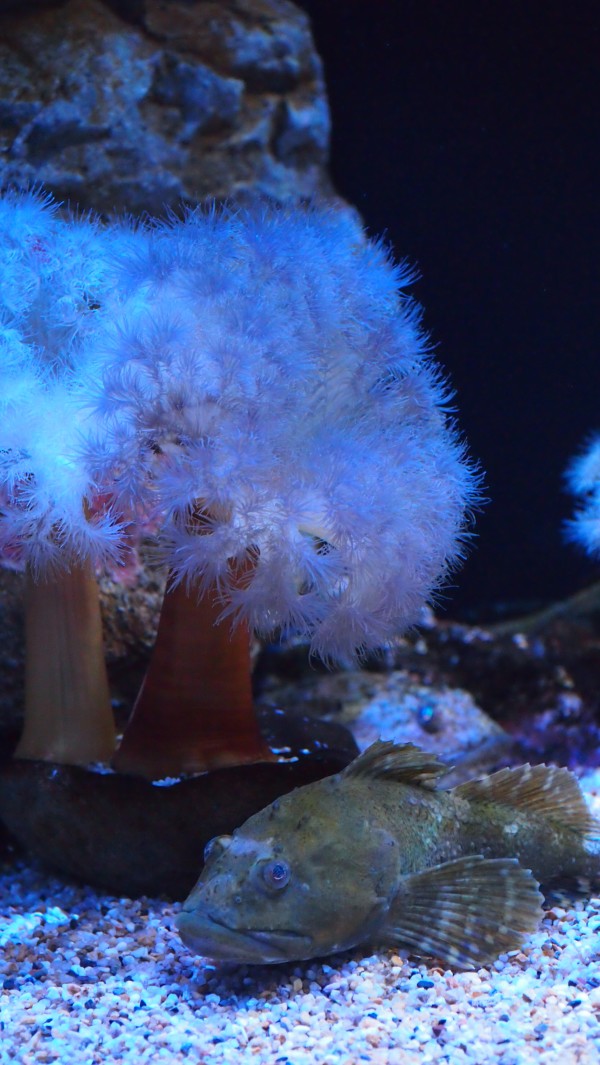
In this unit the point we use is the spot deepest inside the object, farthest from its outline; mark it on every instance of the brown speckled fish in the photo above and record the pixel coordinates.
(377, 854)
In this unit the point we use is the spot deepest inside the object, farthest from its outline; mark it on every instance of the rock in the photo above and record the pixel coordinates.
(396, 705)
(141, 106)
(539, 683)
(12, 659)
(133, 837)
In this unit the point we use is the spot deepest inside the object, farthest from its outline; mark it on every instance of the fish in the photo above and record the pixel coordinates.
(381, 853)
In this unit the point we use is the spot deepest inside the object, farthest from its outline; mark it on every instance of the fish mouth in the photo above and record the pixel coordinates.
(210, 936)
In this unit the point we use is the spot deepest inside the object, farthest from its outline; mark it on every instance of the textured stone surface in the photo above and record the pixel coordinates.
(12, 658)
(133, 837)
(395, 705)
(138, 106)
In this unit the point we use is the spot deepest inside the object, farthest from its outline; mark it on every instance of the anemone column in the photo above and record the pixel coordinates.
(68, 717)
(194, 711)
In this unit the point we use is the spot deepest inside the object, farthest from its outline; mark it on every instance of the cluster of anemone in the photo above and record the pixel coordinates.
(52, 277)
(252, 390)
(583, 477)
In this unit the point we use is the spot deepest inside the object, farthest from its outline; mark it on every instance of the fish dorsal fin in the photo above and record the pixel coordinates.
(466, 911)
(540, 789)
(402, 762)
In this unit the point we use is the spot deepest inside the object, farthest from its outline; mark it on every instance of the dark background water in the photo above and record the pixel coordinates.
(469, 133)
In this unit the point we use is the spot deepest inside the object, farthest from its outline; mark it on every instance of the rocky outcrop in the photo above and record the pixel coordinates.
(140, 105)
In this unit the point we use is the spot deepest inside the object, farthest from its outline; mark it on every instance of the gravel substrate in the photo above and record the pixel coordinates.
(89, 978)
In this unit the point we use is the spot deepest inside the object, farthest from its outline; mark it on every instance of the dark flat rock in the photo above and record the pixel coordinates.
(133, 837)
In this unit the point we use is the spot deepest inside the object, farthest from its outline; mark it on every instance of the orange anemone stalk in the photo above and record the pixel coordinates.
(194, 711)
(68, 717)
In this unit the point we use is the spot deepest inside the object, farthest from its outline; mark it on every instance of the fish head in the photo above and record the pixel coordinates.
(307, 876)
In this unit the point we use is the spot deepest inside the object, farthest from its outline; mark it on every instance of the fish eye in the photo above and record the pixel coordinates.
(216, 846)
(276, 874)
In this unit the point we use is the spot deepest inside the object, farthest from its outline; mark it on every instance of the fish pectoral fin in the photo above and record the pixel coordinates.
(402, 762)
(467, 911)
